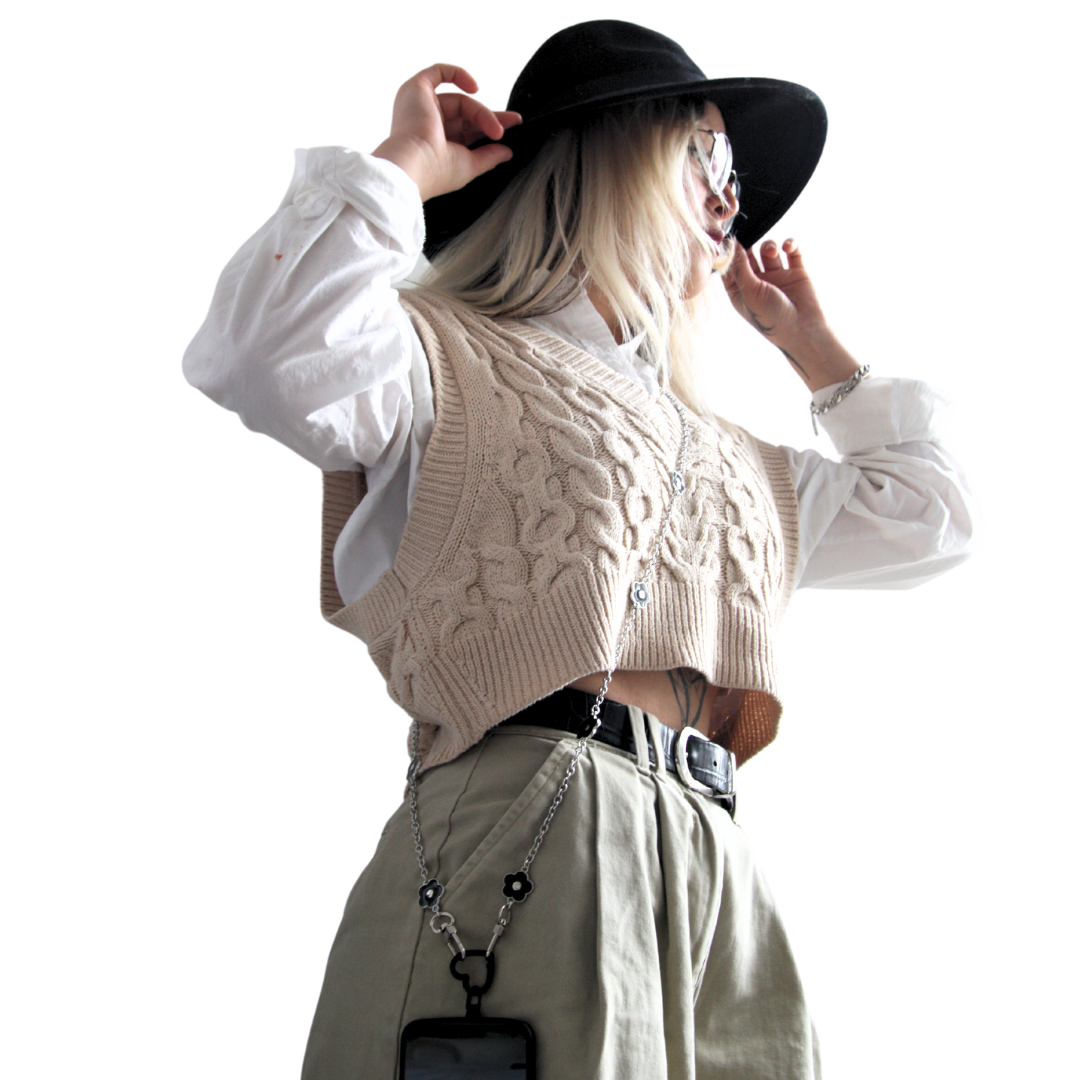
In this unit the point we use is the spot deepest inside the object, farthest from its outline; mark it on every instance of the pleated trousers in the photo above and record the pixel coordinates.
(650, 947)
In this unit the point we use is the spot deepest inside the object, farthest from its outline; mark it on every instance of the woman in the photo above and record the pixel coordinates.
(566, 567)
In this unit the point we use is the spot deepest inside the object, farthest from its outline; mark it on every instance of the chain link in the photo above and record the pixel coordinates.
(841, 392)
(677, 485)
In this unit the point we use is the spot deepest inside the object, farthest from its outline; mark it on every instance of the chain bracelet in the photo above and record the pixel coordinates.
(431, 890)
(842, 392)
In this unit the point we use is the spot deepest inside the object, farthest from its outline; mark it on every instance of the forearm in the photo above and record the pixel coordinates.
(305, 319)
(819, 359)
(780, 303)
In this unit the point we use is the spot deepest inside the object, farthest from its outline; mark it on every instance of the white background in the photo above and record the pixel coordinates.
(195, 768)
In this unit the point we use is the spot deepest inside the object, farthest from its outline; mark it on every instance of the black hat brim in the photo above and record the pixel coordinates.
(777, 131)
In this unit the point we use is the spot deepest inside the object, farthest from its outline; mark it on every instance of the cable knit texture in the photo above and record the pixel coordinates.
(538, 503)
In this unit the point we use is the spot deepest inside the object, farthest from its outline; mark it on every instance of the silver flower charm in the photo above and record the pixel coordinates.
(639, 593)
(678, 485)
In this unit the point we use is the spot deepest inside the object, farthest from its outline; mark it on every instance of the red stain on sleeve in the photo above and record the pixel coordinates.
(277, 256)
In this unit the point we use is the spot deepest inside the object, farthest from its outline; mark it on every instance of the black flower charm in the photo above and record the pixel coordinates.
(517, 886)
(430, 892)
(639, 593)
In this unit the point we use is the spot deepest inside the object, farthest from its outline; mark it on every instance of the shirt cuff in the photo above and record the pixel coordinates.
(383, 193)
(883, 412)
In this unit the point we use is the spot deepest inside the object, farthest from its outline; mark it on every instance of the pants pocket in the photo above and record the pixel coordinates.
(500, 809)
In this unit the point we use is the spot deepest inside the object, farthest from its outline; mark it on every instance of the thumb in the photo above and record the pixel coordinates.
(735, 275)
(739, 267)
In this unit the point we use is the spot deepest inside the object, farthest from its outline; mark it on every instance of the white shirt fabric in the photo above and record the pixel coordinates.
(306, 341)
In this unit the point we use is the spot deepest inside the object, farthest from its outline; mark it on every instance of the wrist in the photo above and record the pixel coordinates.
(408, 158)
(820, 359)
(820, 408)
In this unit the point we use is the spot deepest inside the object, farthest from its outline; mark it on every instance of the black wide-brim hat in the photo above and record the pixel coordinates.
(777, 129)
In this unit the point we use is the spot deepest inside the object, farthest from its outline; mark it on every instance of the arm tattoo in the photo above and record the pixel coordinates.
(688, 686)
(757, 324)
(793, 362)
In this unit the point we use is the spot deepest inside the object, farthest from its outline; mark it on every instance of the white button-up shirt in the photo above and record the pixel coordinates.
(306, 341)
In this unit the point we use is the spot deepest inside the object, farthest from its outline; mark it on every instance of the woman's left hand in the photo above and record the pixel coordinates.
(779, 301)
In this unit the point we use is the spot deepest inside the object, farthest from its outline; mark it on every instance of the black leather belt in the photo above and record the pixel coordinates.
(701, 765)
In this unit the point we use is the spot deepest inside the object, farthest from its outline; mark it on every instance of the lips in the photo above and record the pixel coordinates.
(721, 248)
(718, 237)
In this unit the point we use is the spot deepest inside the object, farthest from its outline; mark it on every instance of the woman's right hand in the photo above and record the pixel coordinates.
(430, 133)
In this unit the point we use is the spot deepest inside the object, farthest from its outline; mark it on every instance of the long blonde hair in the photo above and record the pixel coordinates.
(604, 204)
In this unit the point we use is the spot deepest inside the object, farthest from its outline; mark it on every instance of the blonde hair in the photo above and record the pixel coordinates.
(604, 204)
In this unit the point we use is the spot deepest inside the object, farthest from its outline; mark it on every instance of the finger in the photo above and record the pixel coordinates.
(438, 74)
(738, 263)
(731, 287)
(743, 273)
(770, 256)
(736, 275)
(508, 119)
(485, 158)
(465, 116)
(794, 255)
(752, 263)
(730, 275)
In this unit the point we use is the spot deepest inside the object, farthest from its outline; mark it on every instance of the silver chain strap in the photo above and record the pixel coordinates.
(431, 891)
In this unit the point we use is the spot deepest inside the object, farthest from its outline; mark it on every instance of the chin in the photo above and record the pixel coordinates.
(725, 251)
(712, 253)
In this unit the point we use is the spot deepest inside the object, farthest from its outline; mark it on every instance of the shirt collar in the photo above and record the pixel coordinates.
(580, 324)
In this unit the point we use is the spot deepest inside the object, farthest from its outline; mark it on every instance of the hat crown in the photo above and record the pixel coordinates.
(592, 62)
(776, 128)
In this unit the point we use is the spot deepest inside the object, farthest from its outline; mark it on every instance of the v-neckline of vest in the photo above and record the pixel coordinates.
(552, 343)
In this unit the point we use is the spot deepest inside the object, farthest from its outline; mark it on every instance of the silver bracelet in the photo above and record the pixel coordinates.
(842, 392)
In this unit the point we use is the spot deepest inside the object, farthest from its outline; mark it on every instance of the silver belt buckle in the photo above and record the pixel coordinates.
(682, 766)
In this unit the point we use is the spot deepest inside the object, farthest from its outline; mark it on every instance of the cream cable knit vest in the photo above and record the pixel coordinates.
(537, 504)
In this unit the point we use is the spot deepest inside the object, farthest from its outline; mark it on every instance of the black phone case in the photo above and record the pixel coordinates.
(486, 1047)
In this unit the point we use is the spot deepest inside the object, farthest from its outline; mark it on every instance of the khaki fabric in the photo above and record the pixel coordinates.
(649, 948)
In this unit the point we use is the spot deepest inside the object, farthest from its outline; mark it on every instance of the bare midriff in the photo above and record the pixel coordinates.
(679, 698)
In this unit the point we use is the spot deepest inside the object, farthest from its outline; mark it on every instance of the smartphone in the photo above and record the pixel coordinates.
(456, 1048)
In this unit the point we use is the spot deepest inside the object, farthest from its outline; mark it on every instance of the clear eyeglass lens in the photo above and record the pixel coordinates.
(721, 162)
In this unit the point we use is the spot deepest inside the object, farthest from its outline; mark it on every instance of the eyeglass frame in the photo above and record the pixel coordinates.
(731, 178)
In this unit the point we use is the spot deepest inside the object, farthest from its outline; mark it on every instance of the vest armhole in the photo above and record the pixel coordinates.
(787, 507)
(342, 492)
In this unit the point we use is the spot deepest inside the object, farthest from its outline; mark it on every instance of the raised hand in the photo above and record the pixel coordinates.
(431, 133)
(779, 301)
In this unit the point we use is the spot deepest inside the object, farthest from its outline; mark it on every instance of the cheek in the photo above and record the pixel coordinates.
(700, 198)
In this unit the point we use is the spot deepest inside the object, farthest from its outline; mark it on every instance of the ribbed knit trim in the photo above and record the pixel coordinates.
(488, 677)
(459, 679)
(786, 500)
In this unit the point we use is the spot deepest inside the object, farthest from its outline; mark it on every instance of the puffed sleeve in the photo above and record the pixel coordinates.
(896, 509)
(305, 339)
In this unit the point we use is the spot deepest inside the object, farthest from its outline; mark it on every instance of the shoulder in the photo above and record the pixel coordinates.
(430, 308)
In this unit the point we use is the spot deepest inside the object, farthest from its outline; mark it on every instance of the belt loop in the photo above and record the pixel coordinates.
(641, 743)
(656, 734)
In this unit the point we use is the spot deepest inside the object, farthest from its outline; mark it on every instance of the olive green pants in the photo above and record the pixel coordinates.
(649, 948)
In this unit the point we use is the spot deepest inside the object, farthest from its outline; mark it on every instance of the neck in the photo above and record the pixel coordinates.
(600, 302)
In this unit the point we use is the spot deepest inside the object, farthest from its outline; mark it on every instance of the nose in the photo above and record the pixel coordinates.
(726, 205)
(731, 199)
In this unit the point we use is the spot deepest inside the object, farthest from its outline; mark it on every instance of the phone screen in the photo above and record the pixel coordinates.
(459, 1049)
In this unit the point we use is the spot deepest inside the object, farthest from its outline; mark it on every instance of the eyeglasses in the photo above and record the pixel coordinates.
(718, 165)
